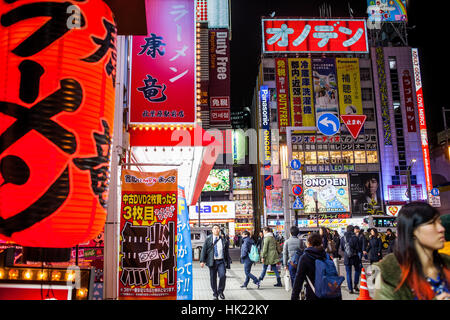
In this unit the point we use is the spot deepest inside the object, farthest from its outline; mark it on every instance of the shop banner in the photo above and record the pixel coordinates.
(422, 121)
(162, 77)
(301, 92)
(148, 231)
(266, 137)
(383, 90)
(365, 188)
(325, 86)
(331, 191)
(184, 249)
(281, 76)
(215, 210)
(349, 85)
(409, 102)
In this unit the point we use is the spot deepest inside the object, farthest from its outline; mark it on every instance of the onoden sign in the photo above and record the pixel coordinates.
(331, 191)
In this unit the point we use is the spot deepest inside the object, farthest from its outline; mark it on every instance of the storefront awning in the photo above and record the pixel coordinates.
(189, 149)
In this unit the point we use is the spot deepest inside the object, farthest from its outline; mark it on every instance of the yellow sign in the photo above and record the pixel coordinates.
(349, 86)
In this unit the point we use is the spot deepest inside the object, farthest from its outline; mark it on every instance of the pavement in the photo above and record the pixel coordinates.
(236, 276)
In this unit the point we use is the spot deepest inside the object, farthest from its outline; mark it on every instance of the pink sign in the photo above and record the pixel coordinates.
(163, 76)
(314, 35)
(409, 102)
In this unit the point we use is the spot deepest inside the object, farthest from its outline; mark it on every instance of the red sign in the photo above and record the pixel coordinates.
(409, 102)
(58, 63)
(281, 75)
(162, 88)
(314, 35)
(220, 116)
(354, 123)
(297, 189)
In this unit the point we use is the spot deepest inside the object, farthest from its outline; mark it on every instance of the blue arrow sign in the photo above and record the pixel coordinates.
(298, 204)
(435, 192)
(295, 164)
(328, 124)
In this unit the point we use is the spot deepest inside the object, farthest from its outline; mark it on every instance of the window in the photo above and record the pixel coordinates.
(323, 157)
(392, 63)
(366, 94)
(372, 157)
(269, 74)
(370, 113)
(365, 74)
(299, 155)
(335, 157)
(360, 157)
(310, 157)
(347, 157)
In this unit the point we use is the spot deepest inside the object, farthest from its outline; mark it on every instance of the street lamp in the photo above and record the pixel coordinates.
(285, 181)
(408, 178)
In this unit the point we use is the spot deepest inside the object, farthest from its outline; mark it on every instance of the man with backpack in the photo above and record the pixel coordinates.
(291, 252)
(318, 271)
(249, 255)
(350, 244)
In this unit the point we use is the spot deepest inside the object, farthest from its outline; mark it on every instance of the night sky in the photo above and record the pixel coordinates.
(427, 17)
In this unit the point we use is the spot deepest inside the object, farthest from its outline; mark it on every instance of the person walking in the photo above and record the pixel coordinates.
(246, 247)
(374, 247)
(362, 243)
(350, 245)
(290, 247)
(270, 255)
(335, 254)
(307, 268)
(324, 234)
(216, 256)
(259, 242)
(390, 238)
(416, 270)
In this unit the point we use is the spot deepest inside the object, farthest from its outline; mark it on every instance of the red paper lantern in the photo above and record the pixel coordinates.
(57, 81)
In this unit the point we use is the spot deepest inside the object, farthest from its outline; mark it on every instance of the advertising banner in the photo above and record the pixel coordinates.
(162, 76)
(330, 190)
(219, 75)
(281, 76)
(218, 180)
(409, 101)
(314, 35)
(184, 250)
(387, 10)
(266, 136)
(399, 193)
(325, 86)
(365, 188)
(242, 183)
(148, 234)
(349, 85)
(215, 210)
(422, 121)
(244, 207)
(384, 103)
(301, 92)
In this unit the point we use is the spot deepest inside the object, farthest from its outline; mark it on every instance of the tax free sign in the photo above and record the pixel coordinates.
(213, 210)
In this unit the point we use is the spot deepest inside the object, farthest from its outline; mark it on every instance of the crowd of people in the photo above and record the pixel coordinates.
(410, 267)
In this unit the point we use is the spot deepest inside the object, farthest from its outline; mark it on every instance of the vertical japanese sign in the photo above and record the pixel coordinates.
(384, 103)
(219, 76)
(325, 86)
(409, 102)
(281, 76)
(349, 84)
(58, 76)
(295, 92)
(266, 136)
(184, 249)
(162, 79)
(422, 121)
(148, 231)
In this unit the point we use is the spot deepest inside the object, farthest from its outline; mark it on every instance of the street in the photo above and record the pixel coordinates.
(235, 278)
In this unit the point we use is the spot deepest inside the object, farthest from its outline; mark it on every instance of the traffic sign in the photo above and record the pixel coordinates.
(354, 123)
(434, 191)
(297, 190)
(296, 176)
(328, 124)
(298, 204)
(295, 164)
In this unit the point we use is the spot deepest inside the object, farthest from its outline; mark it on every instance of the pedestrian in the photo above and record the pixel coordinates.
(390, 238)
(324, 235)
(290, 247)
(362, 243)
(335, 254)
(236, 238)
(247, 243)
(270, 255)
(260, 241)
(416, 270)
(307, 267)
(239, 239)
(374, 247)
(216, 256)
(350, 245)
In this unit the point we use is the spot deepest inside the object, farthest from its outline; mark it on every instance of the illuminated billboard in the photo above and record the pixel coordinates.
(330, 190)
(218, 180)
(314, 35)
(386, 10)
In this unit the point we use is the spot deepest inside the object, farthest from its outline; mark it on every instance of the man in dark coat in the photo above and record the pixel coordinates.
(246, 247)
(307, 267)
(350, 244)
(216, 256)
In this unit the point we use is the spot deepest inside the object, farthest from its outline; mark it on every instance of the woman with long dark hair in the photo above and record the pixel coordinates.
(415, 270)
(375, 246)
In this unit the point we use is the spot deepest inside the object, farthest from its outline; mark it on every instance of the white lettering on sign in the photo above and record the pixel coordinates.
(321, 182)
(221, 49)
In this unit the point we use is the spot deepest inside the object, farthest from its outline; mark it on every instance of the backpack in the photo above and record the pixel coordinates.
(327, 284)
(254, 254)
(296, 258)
(349, 251)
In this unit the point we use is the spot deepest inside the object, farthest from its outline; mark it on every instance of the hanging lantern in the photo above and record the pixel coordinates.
(57, 82)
